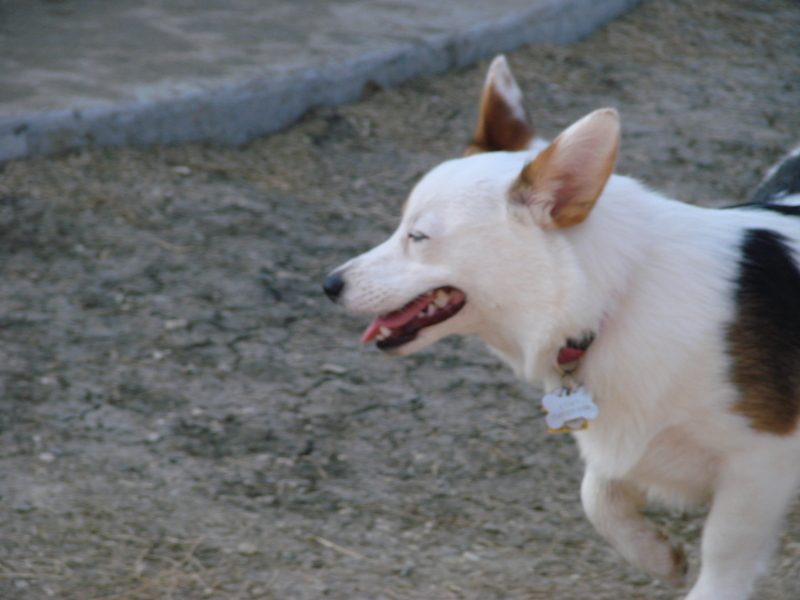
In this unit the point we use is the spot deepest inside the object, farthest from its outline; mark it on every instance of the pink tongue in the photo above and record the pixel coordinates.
(371, 331)
(397, 318)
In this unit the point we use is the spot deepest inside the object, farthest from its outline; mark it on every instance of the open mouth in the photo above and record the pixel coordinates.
(402, 325)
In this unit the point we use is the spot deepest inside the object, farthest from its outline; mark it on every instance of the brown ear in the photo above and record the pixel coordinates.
(503, 123)
(564, 181)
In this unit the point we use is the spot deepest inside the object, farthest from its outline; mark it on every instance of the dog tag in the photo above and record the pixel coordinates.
(568, 409)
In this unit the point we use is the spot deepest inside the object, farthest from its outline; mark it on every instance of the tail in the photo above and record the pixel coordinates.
(782, 182)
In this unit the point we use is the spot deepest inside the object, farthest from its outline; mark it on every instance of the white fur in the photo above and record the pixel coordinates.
(653, 277)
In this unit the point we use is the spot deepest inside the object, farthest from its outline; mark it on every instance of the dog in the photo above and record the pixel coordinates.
(667, 335)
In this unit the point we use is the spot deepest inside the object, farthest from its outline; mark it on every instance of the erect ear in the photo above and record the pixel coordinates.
(563, 182)
(503, 123)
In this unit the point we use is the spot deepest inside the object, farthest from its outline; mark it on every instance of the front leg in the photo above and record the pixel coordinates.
(614, 508)
(739, 536)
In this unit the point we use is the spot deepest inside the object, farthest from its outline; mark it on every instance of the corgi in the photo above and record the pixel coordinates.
(667, 335)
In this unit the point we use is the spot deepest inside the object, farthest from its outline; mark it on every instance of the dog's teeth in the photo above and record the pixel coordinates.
(430, 310)
(442, 298)
(383, 333)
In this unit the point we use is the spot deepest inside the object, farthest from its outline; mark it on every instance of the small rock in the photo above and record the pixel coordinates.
(257, 591)
(172, 324)
(492, 528)
(153, 437)
(470, 556)
(333, 369)
(247, 549)
(47, 457)
(181, 170)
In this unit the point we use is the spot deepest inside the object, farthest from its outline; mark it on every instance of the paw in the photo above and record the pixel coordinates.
(668, 563)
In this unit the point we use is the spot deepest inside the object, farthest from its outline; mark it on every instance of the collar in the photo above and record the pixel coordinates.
(569, 406)
(572, 351)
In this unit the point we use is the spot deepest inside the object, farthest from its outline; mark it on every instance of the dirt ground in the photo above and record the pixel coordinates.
(184, 415)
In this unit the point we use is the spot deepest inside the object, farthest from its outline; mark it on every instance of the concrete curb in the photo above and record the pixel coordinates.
(234, 114)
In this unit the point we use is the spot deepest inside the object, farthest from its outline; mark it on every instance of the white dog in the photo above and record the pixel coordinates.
(668, 334)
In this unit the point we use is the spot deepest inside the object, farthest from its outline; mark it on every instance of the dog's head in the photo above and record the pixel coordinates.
(480, 245)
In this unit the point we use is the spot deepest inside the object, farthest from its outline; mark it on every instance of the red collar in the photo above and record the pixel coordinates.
(568, 355)
(574, 349)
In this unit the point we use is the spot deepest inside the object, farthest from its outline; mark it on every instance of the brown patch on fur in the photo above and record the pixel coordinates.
(765, 401)
(764, 339)
(498, 128)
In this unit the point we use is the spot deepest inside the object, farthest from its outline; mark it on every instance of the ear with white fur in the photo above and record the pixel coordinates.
(562, 184)
(503, 123)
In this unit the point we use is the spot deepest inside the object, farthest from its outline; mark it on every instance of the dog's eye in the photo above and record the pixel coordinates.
(417, 236)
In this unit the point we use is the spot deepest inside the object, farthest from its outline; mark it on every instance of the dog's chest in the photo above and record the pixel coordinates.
(677, 468)
(673, 465)
(668, 439)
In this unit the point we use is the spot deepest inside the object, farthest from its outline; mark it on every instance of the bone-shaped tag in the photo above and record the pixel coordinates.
(568, 409)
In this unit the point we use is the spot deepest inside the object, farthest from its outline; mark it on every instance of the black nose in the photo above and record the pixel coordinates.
(333, 285)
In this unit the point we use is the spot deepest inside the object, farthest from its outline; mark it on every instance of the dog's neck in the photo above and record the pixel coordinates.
(600, 258)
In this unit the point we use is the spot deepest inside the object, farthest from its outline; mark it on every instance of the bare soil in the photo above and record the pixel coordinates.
(184, 415)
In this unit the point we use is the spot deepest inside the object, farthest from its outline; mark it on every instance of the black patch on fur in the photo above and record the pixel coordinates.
(785, 181)
(764, 339)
